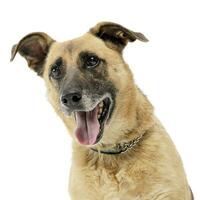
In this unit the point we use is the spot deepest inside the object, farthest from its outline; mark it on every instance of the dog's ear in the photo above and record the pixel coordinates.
(116, 36)
(34, 48)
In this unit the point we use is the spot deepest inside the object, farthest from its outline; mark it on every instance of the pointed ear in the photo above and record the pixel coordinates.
(116, 36)
(34, 48)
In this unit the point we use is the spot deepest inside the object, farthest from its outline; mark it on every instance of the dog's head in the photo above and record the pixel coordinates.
(87, 79)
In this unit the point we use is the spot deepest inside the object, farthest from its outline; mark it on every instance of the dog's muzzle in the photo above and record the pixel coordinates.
(91, 113)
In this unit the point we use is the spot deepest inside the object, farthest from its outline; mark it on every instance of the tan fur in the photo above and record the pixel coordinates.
(151, 171)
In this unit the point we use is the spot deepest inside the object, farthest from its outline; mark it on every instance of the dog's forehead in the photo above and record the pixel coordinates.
(70, 49)
(87, 41)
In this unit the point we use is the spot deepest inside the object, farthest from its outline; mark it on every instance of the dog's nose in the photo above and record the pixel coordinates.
(71, 99)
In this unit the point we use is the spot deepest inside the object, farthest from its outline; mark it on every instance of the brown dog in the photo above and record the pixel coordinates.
(120, 149)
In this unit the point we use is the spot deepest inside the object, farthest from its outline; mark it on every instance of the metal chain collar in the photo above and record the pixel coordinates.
(121, 148)
(129, 145)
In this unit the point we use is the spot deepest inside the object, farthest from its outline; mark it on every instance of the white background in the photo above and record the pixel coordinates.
(35, 149)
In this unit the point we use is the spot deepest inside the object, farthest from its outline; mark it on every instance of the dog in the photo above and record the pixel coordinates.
(120, 149)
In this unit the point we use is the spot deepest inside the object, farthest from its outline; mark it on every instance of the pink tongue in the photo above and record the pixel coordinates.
(88, 127)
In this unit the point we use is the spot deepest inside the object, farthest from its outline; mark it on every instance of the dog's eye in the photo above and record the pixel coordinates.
(57, 69)
(91, 61)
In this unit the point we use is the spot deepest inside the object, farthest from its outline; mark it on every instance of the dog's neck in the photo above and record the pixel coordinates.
(109, 156)
(120, 147)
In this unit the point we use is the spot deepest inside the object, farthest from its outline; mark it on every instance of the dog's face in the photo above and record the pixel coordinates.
(87, 79)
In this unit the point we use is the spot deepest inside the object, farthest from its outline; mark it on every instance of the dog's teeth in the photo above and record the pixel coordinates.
(100, 110)
(101, 105)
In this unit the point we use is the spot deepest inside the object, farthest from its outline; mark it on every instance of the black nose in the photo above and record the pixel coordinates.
(71, 99)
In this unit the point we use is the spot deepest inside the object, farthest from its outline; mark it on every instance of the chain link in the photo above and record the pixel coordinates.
(124, 147)
(121, 148)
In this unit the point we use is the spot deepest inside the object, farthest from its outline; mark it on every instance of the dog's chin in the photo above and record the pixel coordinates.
(90, 122)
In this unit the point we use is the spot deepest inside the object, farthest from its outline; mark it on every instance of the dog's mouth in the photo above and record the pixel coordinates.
(90, 124)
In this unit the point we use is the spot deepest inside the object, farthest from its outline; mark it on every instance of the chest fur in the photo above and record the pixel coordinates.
(98, 184)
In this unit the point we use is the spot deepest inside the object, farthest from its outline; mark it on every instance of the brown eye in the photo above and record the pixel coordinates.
(91, 61)
(57, 69)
